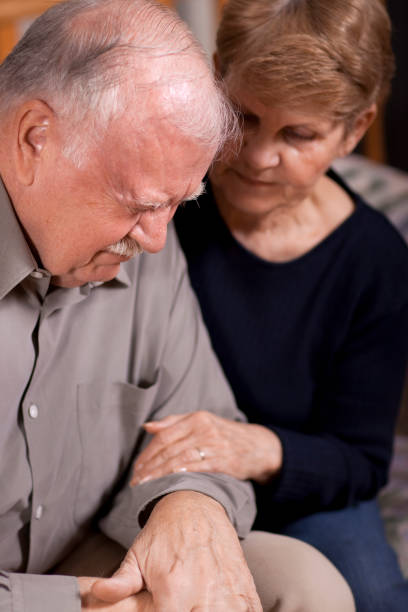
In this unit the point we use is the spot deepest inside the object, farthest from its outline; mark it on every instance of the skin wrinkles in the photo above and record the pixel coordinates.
(82, 214)
(275, 196)
(142, 154)
(136, 205)
(128, 247)
(283, 155)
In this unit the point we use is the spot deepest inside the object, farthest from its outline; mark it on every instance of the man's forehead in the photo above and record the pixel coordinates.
(157, 165)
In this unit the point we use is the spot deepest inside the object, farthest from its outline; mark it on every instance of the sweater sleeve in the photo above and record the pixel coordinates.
(346, 458)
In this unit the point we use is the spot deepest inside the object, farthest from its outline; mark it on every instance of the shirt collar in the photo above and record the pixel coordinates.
(16, 258)
(122, 276)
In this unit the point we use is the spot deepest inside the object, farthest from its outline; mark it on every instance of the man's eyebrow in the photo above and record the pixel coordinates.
(136, 206)
(197, 193)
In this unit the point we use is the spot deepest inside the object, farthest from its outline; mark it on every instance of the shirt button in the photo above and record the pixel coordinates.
(39, 512)
(37, 274)
(33, 411)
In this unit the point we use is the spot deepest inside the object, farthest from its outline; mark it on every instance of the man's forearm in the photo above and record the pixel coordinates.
(188, 556)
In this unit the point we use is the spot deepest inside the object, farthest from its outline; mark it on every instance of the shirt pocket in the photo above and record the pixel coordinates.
(110, 416)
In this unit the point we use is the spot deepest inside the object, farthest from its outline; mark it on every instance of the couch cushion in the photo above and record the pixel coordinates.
(383, 187)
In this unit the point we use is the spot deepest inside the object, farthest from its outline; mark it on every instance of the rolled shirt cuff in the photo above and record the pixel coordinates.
(124, 522)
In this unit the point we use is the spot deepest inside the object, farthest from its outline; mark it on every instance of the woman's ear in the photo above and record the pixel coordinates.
(359, 128)
(33, 124)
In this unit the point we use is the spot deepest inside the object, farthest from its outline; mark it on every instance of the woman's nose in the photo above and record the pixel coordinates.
(260, 152)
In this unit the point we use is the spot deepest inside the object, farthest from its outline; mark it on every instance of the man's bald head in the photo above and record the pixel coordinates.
(93, 61)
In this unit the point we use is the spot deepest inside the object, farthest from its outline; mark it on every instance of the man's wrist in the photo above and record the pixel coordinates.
(146, 512)
(190, 496)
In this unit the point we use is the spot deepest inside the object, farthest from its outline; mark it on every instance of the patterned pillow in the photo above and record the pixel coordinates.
(383, 187)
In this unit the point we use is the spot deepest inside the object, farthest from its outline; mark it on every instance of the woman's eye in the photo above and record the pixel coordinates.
(299, 134)
(249, 119)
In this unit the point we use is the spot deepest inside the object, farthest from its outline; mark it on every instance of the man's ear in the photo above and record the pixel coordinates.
(359, 128)
(33, 122)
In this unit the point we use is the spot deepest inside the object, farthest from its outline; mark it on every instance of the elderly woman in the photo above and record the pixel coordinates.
(303, 287)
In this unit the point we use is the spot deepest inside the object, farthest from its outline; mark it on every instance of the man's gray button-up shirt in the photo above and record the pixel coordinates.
(80, 371)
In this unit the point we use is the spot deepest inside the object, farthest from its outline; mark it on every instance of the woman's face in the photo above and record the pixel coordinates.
(284, 154)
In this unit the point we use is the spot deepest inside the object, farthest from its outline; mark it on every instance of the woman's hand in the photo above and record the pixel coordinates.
(205, 442)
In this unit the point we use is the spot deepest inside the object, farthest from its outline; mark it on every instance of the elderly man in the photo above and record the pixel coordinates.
(110, 118)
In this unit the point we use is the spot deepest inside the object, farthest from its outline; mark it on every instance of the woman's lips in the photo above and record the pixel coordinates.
(253, 182)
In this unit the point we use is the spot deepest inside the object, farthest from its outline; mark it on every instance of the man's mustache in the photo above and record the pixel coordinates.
(127, 247)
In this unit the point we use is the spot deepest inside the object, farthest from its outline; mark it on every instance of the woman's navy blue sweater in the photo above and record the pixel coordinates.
(314, 348)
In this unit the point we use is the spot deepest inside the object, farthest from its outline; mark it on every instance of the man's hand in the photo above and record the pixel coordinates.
(188, 557)
(206, 442)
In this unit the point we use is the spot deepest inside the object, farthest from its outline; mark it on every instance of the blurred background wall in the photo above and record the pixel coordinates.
(386, 141)
(15, 15)
(396, 116)
(202, 16)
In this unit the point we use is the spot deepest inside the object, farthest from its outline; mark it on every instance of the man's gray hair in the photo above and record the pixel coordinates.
(82, 57)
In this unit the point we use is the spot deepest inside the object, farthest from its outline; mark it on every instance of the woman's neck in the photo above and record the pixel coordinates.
(288, 231)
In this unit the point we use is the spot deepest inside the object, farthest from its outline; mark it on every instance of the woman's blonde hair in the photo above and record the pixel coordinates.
(334, 54)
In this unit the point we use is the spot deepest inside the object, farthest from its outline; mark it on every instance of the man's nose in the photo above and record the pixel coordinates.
(151, 230)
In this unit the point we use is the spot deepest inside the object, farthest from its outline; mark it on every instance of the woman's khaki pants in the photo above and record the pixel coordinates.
(290, 576)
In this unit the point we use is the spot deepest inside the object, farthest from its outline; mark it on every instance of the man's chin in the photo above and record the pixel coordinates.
(105, 258)
(77, 278)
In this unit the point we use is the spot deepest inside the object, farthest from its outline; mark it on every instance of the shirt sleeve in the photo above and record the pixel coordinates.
(191, 379)
(346, 458)
(34, 593)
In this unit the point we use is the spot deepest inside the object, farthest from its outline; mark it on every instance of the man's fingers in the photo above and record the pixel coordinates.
(126, 581)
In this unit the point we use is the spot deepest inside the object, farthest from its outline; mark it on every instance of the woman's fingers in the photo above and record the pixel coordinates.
(174, 466)
(203, 442)
(163, 423)
(196, 442)
(163, 438)
(167, 460)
